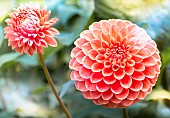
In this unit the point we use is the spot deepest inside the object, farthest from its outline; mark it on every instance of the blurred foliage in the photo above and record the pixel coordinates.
(24, 91)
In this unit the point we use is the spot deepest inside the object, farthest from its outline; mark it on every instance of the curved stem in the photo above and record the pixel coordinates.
(125, 113)
(53, 87)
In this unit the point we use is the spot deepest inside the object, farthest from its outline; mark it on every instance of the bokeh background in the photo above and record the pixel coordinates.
(24, 91)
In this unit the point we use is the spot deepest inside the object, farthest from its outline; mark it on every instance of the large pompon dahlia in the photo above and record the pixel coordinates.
(115, 63)
(29, 29)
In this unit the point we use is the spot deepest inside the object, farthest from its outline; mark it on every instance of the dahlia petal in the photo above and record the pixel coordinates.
(90, 86)
(129, 70)
(151, 48)
(14, 45)
(153, 80)
(136, 85)
(71, 63)
(79, 56)
(86, 47)
(133, 34)
(30, 42)
(41, 34)
(132, 95)
(72, 75)
(105, 37)
(76, 66)
(102, 86)
(54, 31)
(97, 67)
(92, 54)
(95, 44)
(96, 77)
(139, 67)
(137, 58)
(144, 53)
(107, 71)
(111, 105)
(146, 85)
(141, 43)
(107, 64)
(87, 34)
(104, 45)
(150, 72)
(100, 58)
(115, 100)
(126, 102)
(95, 94)
(150, 61)
(37, 42)
(116, 87)
(142, 95)
(132, 27)
(130, 63)
(138, 75)
(157, 69)
(123, 94)
(124, 32)
(19, 50)
(43, 43)
(107, 94)
(87, 62)
(120, 24)
(86, 94)
(109, 79)
(96, 33)
(85, 73)
(25, 40)
(80, 85)
(80, 41)
(119, 74)
(113, 30)
(50, 22)
(95, 25)
(51, 41)
(105, 25)
(75, 51)
(30, 51)
(76, 76)
(102, 101)
(95, 101)
(135, 49)
(126, 81)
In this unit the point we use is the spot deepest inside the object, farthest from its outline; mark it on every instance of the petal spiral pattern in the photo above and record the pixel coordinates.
(115, 63)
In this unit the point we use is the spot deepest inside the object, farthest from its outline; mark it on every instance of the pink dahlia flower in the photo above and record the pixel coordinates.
(29, 29)
(115, 63)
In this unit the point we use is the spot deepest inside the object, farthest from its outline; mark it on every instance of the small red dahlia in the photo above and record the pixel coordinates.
(115, 63)
(29, 29)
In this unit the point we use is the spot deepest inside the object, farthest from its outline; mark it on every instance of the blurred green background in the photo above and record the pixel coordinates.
(24, 91)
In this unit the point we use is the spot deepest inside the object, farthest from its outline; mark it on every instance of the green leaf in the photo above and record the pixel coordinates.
(28, 60)
(1, 35)
(66, 87)
(51, 50)
(8, 57)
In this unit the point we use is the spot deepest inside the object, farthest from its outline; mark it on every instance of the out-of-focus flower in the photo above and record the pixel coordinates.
(115, 63)
(29, 29)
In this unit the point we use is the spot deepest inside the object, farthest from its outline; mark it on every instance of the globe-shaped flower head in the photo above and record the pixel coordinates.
(29, 29)
(115, 63)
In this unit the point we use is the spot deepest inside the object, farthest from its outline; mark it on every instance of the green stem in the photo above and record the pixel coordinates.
(125, 113)
(53, 87)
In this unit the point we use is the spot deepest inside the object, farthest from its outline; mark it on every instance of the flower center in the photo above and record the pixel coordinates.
(117, 56)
